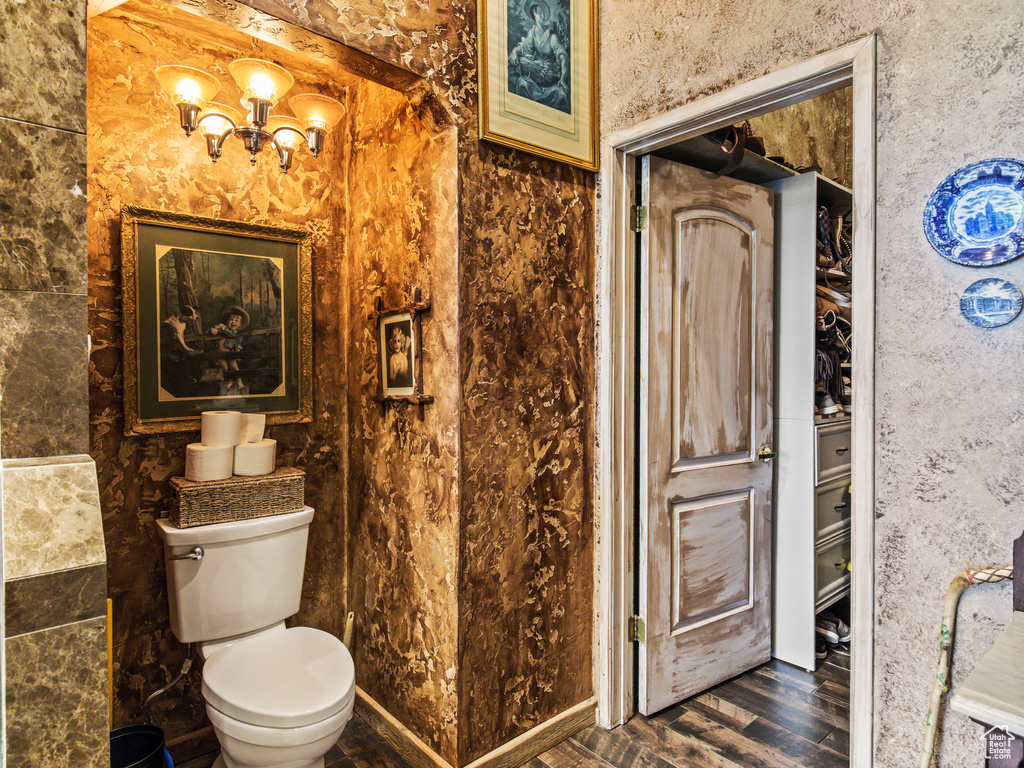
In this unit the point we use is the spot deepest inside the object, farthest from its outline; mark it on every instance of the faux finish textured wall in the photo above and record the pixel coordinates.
(814, 132)
(138, 155)
(526, 377)
(950, 418)
(403, 478)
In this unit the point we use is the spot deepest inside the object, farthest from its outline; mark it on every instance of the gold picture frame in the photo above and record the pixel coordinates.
(218, 315)
(537, 66)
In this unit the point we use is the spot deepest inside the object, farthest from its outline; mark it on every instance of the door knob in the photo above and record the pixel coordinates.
(766, 454)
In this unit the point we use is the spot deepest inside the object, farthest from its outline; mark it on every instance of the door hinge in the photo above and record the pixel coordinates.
(637, 629)
(638, 218)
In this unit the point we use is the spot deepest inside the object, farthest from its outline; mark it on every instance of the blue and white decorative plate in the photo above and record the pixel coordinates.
(991, 302)
(976, 216)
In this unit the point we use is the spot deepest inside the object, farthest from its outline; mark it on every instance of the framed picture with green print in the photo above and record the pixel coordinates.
(217, 316)
(537, 65)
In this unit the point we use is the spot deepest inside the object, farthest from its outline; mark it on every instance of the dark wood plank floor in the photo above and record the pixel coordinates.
(776, 716)
(359, 747)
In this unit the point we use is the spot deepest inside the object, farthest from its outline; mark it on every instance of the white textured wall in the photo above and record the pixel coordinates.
(950, 410)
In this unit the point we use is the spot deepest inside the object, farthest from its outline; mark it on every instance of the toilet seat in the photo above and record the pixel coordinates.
(288, 679)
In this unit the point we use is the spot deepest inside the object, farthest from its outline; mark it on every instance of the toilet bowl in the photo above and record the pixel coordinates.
(279, 700)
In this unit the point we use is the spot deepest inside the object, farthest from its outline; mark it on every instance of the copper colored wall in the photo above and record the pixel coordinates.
(138, 155)
(403, 490)
(526, 376)
(818, 131)
(471, 560)
(525, 608)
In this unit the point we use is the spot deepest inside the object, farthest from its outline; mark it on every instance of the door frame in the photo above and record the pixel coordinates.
(614, 654)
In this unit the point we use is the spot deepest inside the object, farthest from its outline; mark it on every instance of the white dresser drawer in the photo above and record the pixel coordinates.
(833, 450)
(831, 508)
(833, 575)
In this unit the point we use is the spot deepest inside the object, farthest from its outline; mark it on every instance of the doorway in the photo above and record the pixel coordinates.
(615, 657)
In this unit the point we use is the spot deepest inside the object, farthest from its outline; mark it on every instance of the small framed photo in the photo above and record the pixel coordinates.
(217, 316)
(398, 354)
(538, 77)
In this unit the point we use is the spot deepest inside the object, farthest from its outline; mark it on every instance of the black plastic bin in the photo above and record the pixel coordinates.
(137, 746)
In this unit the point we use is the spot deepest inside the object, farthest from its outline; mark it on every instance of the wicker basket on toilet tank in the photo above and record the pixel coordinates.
(237, 498)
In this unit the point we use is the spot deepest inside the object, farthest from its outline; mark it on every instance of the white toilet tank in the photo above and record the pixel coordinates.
(249, 577)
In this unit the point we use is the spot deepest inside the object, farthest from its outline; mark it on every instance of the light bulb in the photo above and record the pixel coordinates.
(187, 90)
(217, 119)
(258, 79)
(317, 111)
(214, 125)
(287, 131)
(187, 85)
(261, 86)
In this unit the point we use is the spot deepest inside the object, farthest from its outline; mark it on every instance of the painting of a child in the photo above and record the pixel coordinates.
(233, 319)
(228, 340)
(397, 354)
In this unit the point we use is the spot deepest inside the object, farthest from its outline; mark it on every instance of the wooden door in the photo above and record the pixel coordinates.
(705, 414)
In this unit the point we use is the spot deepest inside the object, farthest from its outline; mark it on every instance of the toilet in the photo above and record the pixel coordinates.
(276, 697)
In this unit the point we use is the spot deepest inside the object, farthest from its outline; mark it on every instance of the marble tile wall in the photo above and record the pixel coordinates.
(57, 697)
(51, 516)
(54, 572)
(43, 354)
(43, 345)
(43, 78)
(42, 217)
(54, 613)
(53, 599)
(138, 155)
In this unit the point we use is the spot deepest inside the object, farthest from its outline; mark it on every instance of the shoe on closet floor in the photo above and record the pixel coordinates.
(825, 405)
(842, 630)
(846, 400)
(826, 631)
(820, 648)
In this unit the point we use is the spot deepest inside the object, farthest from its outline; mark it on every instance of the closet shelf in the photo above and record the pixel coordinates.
(706, 155)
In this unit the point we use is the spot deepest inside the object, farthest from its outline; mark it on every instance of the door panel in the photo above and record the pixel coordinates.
(711, 558)
(710, 367)
(705, 389)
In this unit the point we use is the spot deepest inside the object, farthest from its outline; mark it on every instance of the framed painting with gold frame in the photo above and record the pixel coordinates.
(538, 77)
(217, 316)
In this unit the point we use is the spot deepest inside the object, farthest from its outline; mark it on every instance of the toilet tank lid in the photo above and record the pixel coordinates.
(232, 531)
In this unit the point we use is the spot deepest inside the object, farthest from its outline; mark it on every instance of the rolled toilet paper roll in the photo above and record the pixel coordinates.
(255, 424)
(222, 428)
(253, 459)
(208, 462)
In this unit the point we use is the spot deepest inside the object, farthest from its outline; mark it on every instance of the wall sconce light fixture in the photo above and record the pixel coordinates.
(263, 84)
